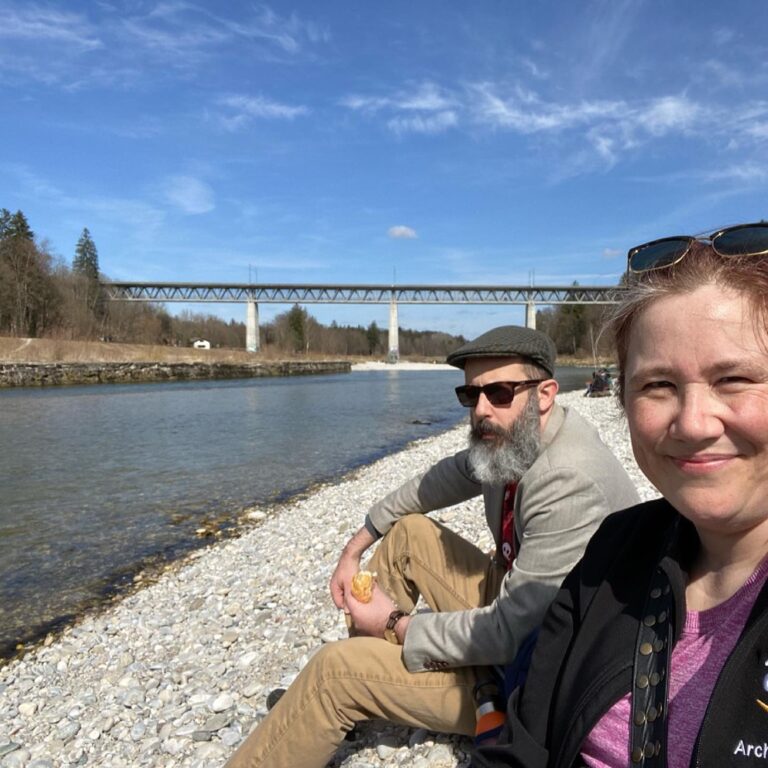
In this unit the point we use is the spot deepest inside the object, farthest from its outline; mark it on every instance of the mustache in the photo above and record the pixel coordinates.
(484, 427)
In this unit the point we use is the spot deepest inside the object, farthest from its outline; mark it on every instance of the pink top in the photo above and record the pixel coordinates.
(705, 643)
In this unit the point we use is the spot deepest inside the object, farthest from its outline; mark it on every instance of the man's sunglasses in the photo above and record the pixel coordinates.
(498, 393)
(742, 240)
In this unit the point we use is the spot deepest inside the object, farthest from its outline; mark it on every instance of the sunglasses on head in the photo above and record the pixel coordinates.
(498, 393)
(742, 240)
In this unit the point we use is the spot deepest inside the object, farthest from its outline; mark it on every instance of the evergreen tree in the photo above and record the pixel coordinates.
(86, 261)
(373, 337)
(15, 225)
(297, 326)
(28, 296)
(5, 222)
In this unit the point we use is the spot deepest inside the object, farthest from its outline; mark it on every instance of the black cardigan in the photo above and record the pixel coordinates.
(584, 657)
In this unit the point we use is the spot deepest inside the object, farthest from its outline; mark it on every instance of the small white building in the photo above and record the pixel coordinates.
(201, 344)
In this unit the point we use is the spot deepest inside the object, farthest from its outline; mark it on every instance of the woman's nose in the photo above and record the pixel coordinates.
(698, 415)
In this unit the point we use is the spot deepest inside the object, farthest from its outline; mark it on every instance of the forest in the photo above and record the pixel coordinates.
(43, 296)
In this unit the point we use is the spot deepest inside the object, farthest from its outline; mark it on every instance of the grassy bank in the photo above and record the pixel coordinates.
(24, 350)
(18, 350)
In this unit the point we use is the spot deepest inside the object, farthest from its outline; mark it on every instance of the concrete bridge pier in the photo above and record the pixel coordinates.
(530, 315)
(252, 327)
(394, 344)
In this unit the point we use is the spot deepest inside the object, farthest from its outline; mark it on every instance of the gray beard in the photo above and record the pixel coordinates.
(511, 455)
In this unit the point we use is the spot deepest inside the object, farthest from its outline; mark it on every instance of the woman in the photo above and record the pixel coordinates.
(655, 651)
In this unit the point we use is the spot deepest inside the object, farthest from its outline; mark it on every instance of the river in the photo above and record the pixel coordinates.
(99, 481)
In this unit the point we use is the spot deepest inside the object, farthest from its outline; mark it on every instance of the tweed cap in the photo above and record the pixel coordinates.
(509, 341)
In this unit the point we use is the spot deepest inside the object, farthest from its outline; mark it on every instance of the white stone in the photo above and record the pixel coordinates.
(222, 703)
(28, 708)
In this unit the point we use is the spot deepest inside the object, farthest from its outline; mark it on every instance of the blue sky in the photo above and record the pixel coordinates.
(454, 142)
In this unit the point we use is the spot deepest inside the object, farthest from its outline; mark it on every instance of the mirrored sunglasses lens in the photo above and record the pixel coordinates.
(657, 255)
(744, 241)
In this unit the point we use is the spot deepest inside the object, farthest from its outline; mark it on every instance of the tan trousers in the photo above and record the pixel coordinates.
(362, 677)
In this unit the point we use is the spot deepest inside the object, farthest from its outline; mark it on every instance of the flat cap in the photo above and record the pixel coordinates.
(509, 341)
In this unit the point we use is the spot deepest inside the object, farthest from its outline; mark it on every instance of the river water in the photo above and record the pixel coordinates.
(98, 481)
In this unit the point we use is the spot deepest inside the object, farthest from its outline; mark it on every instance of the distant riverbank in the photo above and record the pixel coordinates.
(52, 362)
(62, 374)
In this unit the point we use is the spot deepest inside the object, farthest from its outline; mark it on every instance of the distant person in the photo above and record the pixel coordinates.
(600, 385)
(547, 481)
(655, 651)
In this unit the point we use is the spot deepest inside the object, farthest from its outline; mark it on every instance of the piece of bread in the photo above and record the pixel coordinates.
(362, 586)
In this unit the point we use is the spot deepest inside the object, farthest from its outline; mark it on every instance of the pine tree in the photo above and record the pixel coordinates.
(5, 222)
(15, 225)
(373, 337)
(86, 261)
(297, 327)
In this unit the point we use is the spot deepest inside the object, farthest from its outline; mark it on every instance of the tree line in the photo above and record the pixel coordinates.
(42, 295)
(576, 329)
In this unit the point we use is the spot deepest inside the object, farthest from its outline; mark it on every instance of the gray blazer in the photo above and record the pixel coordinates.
(574, 483)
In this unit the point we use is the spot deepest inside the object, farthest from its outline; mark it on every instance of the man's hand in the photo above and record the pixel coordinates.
(349, 565)
(371, 618)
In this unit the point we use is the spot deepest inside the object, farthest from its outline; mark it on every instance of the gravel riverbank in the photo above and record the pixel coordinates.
(177, 674)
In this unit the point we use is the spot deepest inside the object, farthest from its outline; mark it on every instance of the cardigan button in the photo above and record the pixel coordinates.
(646, 649)
(640, 719)
(637, 755)
(649, 620)
(655, 593)
(642, 681)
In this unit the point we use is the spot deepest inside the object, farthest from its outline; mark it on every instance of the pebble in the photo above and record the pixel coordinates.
(177, 674)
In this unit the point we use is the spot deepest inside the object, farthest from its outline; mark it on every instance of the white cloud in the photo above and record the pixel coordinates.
(611, 253)
(247, 107)
(116, 46)
(523, 111)
(423, 123)
(747, 173)
(33, 22)
(401, 232)
(426, 108)
(189, 194)
(426, 97)
(723, 36)
(668, 114)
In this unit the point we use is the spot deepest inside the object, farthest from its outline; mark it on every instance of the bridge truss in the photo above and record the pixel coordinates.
(254, 294)
(361, 294)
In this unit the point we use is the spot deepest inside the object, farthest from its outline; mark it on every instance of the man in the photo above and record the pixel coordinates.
(547, 482)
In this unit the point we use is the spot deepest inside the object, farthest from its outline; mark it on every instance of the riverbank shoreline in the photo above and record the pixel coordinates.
(71, 374)
(177, 673)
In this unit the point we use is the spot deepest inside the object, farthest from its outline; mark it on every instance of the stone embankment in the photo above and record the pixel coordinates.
(176, 675)
(55, 374)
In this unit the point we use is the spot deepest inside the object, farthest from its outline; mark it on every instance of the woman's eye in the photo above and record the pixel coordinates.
(650, 385)
(733, 383)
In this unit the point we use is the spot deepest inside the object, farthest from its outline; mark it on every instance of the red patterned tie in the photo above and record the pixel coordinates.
(508, 525)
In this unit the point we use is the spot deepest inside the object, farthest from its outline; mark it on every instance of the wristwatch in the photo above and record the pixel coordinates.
(389, 630)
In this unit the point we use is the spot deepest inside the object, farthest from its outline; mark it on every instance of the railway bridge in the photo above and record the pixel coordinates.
(253, 294)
